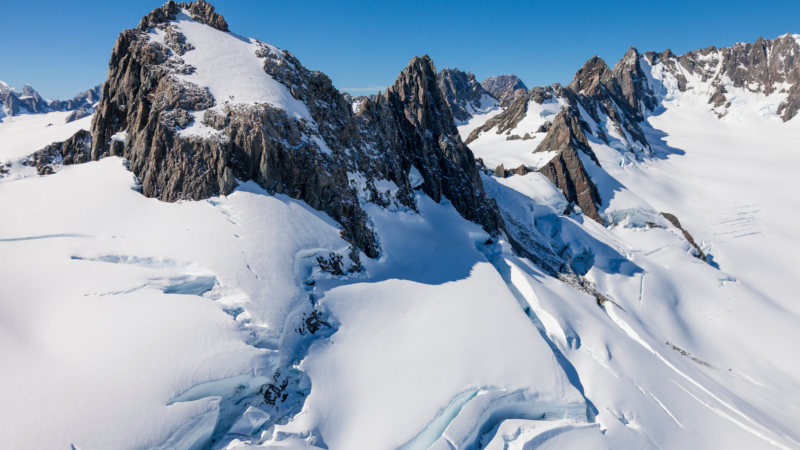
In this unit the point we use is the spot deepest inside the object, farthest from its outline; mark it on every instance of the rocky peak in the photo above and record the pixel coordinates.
(463, 93)
(27, 90)
(765, 66)
(431, 142)
(589, 78)
(500, 85)
(310, 146)
(199, 10)
(566, 170)
(28, 100)
(417, 87)
(632, 82)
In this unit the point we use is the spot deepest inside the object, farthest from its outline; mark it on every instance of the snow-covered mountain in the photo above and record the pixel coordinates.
(503, 87)
(464, 95)
(230, 253)
(27, 101)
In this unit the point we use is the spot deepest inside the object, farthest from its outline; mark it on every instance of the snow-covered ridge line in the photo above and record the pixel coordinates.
(15, 102)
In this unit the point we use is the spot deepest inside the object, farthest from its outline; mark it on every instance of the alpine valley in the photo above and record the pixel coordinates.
(216, 248)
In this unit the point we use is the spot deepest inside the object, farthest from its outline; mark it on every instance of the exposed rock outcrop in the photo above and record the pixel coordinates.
(566, 170)
(765, 66)
(504, 87)
(674, 221)
(516, 110)
(75, 150)
(463, 94)
(633, 85)
(334, 159)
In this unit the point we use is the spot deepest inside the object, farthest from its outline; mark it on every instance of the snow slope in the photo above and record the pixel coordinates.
(686, 354)
(24, 134)
(126, 322)
(495, 148)
(227, 64)
(133, 310)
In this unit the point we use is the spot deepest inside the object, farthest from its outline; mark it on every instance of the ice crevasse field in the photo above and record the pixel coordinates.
(127, 322)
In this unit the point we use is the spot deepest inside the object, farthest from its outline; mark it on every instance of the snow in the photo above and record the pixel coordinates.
(26, 133)
(227, 64)
(126, 321)
(131, 323)
(120, 136)
(496, 149)
(415, 178)
(418, 335)
(198, 128)
(690, 355)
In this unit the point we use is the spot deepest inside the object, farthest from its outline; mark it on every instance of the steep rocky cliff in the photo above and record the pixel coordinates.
(766, 66)
(188, 135)
(566, 170)
(504, 87)
(464, 94)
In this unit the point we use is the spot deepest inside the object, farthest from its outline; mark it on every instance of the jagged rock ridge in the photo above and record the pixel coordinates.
(14, 102)
(464, 94)
(334, 159)
(504, 87)
(609, 105)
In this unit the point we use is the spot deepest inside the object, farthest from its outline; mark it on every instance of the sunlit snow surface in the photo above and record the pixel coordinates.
(23, 134)
(693, 355)
(126, 322)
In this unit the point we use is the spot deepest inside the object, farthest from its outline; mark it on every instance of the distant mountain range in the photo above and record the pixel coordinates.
(27, 101)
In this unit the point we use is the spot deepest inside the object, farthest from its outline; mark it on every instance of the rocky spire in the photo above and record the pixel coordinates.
(566, 170)
(590, 78)
(199, 10)
(29, 101)
(434, 145)
(463, 94)
(333, 161)
(633, 83)
(502, 85)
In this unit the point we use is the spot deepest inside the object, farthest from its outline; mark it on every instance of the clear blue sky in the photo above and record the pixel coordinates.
(62, 47)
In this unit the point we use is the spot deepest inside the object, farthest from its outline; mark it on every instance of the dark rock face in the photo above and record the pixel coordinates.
(331, 162)
(83, 100)
(516, 111)
(566, 170)
(765, 66)
(566, 131)
(632, 82)
(74, 150)
(674, 221)
(28, 100)
(600, 93)
(200, 11)
(503, 85)
(504, 121)
(430, 141)
(462, 93)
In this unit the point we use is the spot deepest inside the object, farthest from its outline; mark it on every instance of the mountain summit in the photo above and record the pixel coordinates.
(230, 253)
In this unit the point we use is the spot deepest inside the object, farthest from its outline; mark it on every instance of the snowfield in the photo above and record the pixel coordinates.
(129, 323)
(24, 134)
